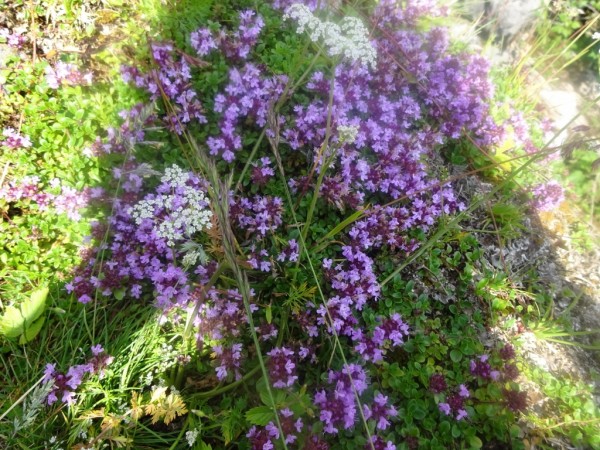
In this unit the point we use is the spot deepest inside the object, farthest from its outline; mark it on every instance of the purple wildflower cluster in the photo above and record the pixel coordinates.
(455, 403)
(338, 406)
(390, 333)
(66, 74)
(249, 95)
(283, 5)
(68, 201)
(547, 196)
(123, 139)
(482, 369)
(170, 79)
(233, 44)
(13, 139)
(64, 385)
(262, 171)
(265, 438)
(258, 215)
(506, 370)
(228, 360)
(15, 39)
(282, 367)
(144, 231)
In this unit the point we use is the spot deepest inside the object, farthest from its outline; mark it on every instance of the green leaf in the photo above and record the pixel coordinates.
(32, 331)
(455, 431)
(455, 355)
(16, 320)
(515, 431)
(261, 415)
(475, 442)
(269, 314)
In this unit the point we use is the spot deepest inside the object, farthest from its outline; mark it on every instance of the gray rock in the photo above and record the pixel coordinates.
(505, 18)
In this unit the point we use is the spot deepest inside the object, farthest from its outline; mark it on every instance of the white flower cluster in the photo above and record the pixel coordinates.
(350, 38)
(191, 436)
(185, 208)
(347, 133)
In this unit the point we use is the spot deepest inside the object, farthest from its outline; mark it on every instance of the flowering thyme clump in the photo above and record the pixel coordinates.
(547, 196)
(338, 404)
(234, 44)
(282, 367)
(349, 39)
(259, 215)
(180, 209)
(380, 411)
(480, 367)
(14, 139)
(66, 74)
(15, 39)
(437, 383)
(64, 385)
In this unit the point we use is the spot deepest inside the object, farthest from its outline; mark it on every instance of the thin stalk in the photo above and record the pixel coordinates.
(321, 157)
(250, 158)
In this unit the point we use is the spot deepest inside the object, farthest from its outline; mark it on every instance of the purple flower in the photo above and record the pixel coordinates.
(16, 39)
(445, 408)
(66, 74)
(337, 406)
(203, 42)
(262, 172)
(260, 439)
(380, 412)
(65, 385)
(437, 383)
(259, 215)
(390, 333)
(463, 391)
(228, 360)
(14, 139)
(481, 368)
(282, 367)
(515, 400)
(378, 443)
(507, 352)
(289, 426)
(547, 196)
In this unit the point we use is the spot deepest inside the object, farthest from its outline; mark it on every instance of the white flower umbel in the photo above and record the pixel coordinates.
(185, 208)
(191, 436)
(347, 133)
(349, 39)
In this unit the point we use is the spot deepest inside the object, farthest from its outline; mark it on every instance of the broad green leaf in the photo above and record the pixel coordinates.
(16, 320)
(455, 355)
(34, 307)
(261, 415)
(12, 323)
(475, 442)
(32, 331)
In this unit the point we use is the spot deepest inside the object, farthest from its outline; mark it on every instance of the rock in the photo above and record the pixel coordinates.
(505, 18)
